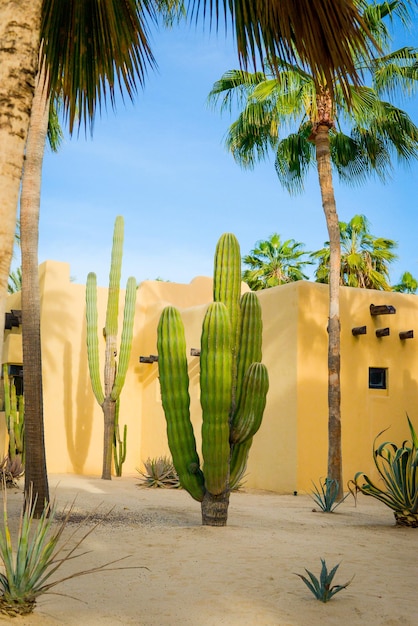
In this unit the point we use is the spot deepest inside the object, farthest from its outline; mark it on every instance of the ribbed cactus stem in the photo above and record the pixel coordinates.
(216, 389)
(111, 326)
(126, 338)
(250, 338)
(239, 458)
(92, 337)
(227, 289)
(174, 383)
(247, 419)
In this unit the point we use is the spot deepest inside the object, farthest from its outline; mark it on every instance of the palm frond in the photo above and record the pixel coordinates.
(91, 48)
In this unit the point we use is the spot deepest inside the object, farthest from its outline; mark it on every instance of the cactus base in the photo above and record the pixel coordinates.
(215, 509)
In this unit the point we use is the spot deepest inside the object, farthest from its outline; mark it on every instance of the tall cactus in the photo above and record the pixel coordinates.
(233, 387)
(114, 370)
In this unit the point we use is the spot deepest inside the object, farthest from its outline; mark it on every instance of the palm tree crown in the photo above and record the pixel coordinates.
(274, 262)
(365, 259)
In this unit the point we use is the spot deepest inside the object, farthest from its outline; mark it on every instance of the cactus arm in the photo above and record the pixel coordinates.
(250, 337)
(126, 338)
(111, 326)
(216, 389)
(239, 458)
(227, 289)
(247, 419)
(119, 445)
(174, 384)
(92, 337)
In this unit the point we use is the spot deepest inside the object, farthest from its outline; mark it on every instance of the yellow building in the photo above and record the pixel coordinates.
(379, 375)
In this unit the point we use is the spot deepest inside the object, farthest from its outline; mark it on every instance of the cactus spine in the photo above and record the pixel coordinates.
(233, 385)
(114, 370)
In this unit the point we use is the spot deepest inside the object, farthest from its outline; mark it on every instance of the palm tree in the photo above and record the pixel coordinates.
(116, 57)
(274, 262)
(365, 259)
(270, 102)
(324, 32)
(407, 284)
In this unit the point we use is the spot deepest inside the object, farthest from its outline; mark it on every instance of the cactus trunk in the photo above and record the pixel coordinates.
(215, 509)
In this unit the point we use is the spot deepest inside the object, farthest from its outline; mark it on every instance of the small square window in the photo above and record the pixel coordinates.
(377, 378)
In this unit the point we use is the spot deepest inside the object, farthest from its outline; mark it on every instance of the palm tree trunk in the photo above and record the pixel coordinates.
(36, 479)
(323, 158)
(19, 42)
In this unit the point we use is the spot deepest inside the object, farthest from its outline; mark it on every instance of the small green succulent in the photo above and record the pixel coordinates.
(321, 588)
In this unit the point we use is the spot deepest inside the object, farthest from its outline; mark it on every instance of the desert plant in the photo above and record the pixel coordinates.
(14, 413)
(326, 495)
(38, 555)
(114, 371)
(233, 387)
(159, 472)
(321, 588)
(10, 471)
(119, 444)
(398, 469)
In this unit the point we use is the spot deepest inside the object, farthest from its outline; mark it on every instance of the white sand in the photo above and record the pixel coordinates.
(240, 575)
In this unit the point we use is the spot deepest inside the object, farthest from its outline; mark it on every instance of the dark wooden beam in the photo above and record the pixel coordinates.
(359, 330)
(406, 334)
(382, 332)
(13, 319)
(152, 358)
(382, 309)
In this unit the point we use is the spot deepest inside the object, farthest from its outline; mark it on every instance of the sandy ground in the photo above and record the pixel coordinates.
(243, 574)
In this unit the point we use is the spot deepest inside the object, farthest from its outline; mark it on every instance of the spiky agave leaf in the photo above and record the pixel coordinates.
(38, 555)
(321, 588)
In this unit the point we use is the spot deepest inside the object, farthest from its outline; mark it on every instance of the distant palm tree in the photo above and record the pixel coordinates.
(407, 284)
(15, 281)
(365, 259)
(274, 262)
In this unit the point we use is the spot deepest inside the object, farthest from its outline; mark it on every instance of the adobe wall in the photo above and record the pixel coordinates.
(290, 449)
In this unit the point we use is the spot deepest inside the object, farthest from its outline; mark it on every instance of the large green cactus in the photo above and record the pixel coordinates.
(114, 370)
(233, 387)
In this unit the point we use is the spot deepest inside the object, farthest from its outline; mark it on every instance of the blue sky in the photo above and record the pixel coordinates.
(162, 164)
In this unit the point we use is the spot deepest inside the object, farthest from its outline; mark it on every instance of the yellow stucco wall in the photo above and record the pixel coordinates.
(290, 450)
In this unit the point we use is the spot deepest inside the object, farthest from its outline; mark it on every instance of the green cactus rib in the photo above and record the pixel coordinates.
(227, 286)
(238, 464)
(126, 338)
(92, 337)
(247, 419)
(251, 337)
(216, 390)
(111, 326)
(174, 383)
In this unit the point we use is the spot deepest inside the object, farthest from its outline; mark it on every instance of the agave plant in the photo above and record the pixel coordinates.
(10, 471)
(321, 588)
(398, 469)
(38, 555)
(326, 495)
(159, 472)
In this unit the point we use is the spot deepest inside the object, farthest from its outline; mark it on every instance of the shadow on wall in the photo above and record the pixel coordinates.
(78, 427)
